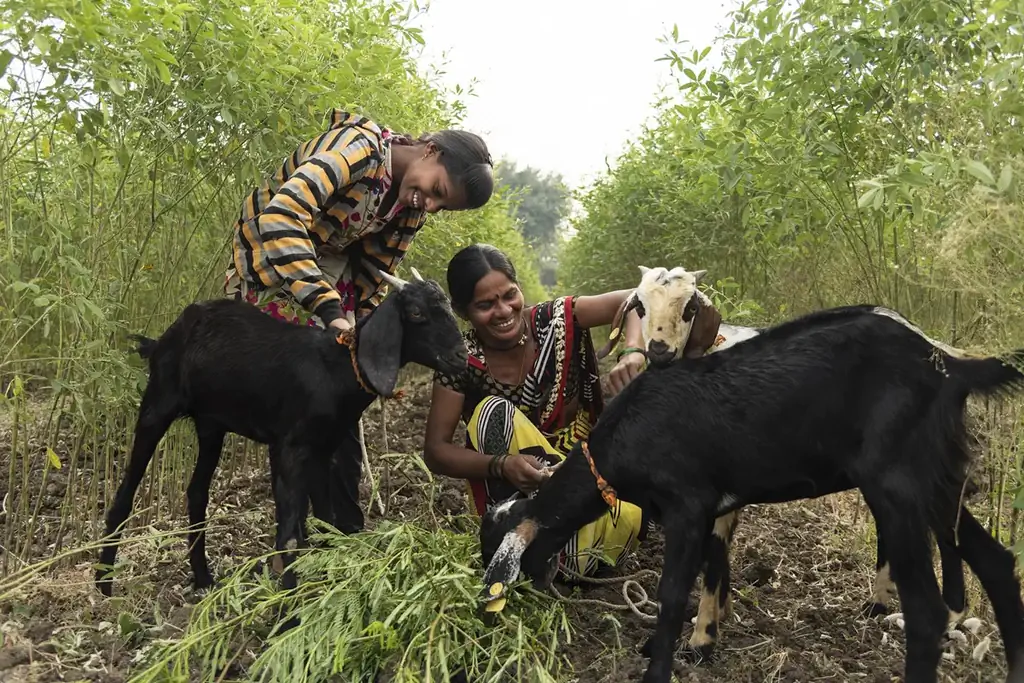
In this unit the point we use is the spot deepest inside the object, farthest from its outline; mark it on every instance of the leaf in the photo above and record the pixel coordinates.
(42, 42)
(979, 171)
(51, 456)
(5, 61)
(41, 301)
(164, 72)
(868, 197)
(1005, 178)
(127, 624)
(116, 86)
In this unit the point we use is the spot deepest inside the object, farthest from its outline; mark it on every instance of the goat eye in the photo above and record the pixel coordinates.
(690, 310)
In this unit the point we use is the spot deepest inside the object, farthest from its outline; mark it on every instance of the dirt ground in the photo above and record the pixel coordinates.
(800, 575)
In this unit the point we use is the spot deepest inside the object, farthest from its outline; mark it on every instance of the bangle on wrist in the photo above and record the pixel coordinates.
(627, 350)
(496, 467)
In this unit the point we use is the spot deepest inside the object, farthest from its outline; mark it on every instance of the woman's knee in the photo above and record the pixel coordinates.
(492, 425)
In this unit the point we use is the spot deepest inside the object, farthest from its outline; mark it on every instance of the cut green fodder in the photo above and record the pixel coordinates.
(400, 602)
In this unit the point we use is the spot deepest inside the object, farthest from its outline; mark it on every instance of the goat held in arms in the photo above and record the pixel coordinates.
(679, 321)
(848, 397)
(231, 368)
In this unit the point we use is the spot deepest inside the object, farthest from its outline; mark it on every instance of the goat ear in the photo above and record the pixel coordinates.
(379, 347)
(699, 275)
(704, 330)
(504, 567)
(627, 305)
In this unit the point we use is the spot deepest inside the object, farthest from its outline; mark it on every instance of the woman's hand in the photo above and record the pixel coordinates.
(523, 472)
(627, 369)
(340, 324)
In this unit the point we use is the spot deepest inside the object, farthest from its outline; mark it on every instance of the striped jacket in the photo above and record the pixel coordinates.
(321, 207)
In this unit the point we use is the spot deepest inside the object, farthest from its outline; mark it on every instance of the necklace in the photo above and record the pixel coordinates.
(522, 365)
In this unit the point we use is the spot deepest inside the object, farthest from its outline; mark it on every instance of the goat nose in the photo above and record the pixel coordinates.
(658, 348)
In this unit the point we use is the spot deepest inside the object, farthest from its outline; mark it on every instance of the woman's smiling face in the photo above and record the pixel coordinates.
(426, 185)
(496, 311)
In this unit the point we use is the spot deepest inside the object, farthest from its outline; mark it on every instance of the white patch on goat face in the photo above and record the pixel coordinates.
(504, 566)
(502, 509)
(663, 294)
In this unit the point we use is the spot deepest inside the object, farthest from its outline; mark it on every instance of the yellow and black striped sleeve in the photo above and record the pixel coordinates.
(340, 160)
(383, 251)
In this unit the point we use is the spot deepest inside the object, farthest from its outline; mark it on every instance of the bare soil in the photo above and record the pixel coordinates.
(801, 573)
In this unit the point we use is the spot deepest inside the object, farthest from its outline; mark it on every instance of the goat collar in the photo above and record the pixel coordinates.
(606, 489)
(348, 338)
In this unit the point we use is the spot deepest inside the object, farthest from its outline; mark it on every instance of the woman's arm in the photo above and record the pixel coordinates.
(592, 311)
(284, 225)
(443, 457)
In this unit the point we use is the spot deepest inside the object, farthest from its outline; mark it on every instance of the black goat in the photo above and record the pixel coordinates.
(679, 321)
(849, 397)
(232, 368)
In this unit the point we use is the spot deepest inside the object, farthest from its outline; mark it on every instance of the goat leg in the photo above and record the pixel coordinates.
(211, 441)
(714, 597)
(993, 564)
(291, 500)
(901, 522)
(155, 417)
(684, 545)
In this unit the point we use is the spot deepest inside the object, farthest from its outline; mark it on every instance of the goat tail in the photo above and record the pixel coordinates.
(988, 376)
(145, 347)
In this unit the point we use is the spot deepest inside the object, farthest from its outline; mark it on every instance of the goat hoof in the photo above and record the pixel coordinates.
(874, 609)
(104, 584)
(200, 583)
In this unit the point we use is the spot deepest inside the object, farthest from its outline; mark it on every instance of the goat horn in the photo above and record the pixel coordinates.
(396, 282)
(416, 275)
(698, 275)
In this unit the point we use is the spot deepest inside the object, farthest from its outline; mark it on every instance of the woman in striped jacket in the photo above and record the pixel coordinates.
(313, 239)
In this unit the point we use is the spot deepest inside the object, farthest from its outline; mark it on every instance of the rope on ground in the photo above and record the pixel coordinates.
(635, 603)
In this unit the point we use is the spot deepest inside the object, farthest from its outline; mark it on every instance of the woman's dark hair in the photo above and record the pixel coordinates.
(469, 266)
(465, 157)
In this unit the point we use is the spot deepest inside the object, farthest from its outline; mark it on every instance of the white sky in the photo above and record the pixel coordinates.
(562, 84)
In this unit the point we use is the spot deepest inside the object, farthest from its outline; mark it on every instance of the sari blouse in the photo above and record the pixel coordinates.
(561, 393)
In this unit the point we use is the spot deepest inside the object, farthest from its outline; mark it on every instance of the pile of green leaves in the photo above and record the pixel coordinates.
(400, 600)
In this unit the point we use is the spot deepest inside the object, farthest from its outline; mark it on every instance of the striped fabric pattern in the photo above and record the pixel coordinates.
(324, 197)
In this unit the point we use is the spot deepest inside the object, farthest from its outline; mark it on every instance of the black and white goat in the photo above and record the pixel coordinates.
(843, 398)
(679, 321)
(232, 368)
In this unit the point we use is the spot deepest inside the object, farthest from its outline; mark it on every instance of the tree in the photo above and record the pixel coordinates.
(542, 202)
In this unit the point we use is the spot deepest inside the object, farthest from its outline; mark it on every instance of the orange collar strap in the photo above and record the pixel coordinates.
(606, 489)
(348, 338)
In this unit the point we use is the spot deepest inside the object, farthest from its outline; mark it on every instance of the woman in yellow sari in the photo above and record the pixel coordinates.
(530, 391)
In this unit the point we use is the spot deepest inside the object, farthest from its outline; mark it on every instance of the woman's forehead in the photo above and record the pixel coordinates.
(492, 285)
